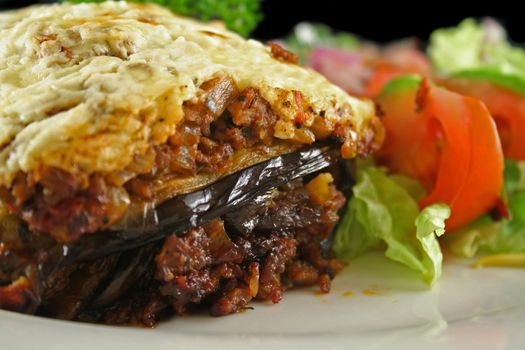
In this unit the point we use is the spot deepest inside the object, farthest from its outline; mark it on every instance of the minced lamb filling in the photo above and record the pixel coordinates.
(220, 266)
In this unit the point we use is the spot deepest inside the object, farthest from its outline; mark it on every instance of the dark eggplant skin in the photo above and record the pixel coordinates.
(131, 268)
(183, 212)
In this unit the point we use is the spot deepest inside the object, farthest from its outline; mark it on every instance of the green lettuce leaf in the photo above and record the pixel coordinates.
(455, 49)
(382, 210)
(497, 237)
(478, 50)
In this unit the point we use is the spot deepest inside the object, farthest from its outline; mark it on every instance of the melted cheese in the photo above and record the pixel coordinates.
(86, 87)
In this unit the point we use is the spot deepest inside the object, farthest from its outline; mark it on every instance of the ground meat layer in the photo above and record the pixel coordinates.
(220, 266)
(222, 122)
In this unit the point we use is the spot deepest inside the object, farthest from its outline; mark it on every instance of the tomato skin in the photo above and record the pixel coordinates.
(482, 187)
(452, 116)
(506, 106)
(447, 141)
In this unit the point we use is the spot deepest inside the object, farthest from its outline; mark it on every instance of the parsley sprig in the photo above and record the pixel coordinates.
(241, 16)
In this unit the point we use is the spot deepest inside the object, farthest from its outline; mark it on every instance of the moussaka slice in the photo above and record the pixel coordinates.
(151, 164)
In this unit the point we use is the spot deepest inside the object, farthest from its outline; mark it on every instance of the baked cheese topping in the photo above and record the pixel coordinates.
(86, 87)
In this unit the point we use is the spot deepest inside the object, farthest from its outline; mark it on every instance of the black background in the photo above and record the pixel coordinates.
(383, 21)
(379, 21)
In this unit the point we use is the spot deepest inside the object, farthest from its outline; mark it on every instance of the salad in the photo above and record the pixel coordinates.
(454, 155)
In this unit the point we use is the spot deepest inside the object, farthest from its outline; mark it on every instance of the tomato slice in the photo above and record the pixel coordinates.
(408, 137)
(447, 141)
(481, 189)
(452, 115)
(506, 106)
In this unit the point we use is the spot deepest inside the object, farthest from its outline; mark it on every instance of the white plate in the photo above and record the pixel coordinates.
(374, 303)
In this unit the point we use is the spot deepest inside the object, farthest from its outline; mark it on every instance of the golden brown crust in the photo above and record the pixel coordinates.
(86, 87)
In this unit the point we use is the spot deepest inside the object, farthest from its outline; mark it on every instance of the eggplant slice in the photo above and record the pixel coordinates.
(181, 213)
